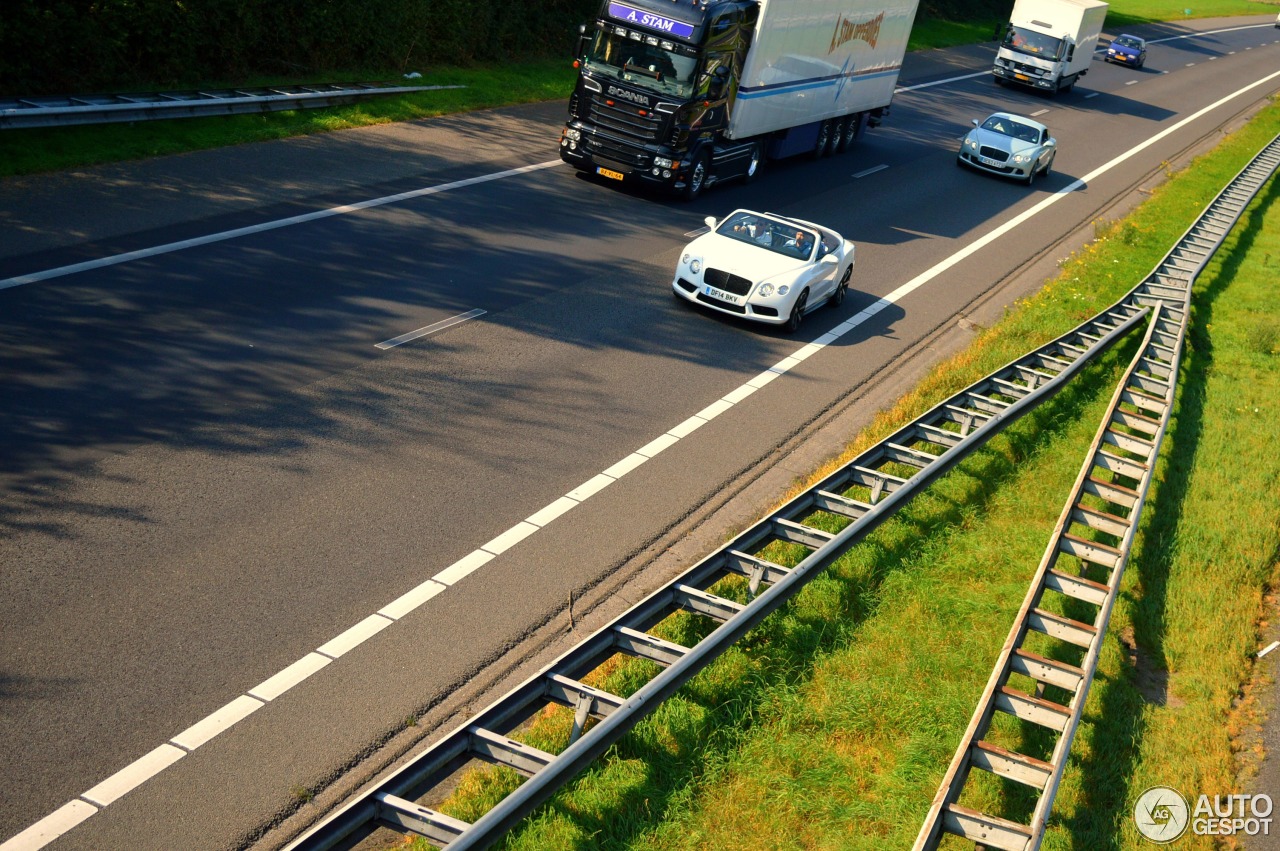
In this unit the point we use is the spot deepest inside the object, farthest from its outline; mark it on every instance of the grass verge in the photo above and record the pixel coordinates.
(832, 723)
(52, 149)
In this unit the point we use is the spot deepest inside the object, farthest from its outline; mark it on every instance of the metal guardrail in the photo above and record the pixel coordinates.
(1093, 537)
(866, 491)
(28, 112)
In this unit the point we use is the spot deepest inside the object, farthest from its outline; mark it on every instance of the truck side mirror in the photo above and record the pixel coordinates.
(580, 49)
(719, 77)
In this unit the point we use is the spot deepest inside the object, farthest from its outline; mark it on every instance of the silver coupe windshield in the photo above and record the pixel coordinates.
(1013, 129)
(647, 65)
(1033, 43)
(771, 234)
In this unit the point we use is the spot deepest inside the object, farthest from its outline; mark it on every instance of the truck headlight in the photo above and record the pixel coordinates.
(765, 290)
(572, 134)
(662, 162)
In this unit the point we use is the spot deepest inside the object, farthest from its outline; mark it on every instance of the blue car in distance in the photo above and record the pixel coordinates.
(1127, 50)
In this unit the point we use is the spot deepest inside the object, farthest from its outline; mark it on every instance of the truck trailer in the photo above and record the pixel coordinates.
(1048, 44)
(681, 95)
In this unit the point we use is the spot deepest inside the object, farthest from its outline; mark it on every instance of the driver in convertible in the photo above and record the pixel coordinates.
(802, 244)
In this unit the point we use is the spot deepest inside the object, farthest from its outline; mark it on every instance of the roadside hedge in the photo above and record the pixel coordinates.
(81, 46)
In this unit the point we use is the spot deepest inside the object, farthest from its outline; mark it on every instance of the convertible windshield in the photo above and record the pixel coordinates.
(1007, 127)
(647, 63)
(1033, 43)
(771, 234)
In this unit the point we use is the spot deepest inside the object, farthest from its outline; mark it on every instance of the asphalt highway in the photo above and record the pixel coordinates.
(209, 469)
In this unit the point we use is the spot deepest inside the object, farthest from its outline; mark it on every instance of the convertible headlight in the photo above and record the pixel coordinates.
(574, 135)
(695, 265)
(971, 144)
(765, 290)
(662, 162)
(784, 289)
(1021, 158)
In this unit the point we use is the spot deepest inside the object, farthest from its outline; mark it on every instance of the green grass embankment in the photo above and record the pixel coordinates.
(832, 724)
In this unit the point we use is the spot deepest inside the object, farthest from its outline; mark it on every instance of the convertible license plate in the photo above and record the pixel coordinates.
(991, 162)
(610, 173)
(1022, 77)
(722, 295)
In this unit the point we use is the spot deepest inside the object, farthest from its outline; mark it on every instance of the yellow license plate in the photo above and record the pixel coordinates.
(1021, 77)
(615, 175)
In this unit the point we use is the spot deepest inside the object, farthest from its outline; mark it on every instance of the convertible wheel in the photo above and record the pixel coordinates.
(757, 160)
(1044, 172)
(697, 178)
(1031, 176)
(797, 313)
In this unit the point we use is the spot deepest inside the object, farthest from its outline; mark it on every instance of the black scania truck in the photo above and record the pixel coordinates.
(680, 95)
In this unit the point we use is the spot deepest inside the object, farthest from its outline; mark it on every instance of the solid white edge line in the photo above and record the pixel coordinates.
(551, 512)
(1272, 646)
(50, 827)
(134, 775)
(276, 685)
(464, 566)
(659, 444)
(316, 215)
(591, 487)
(687, 427)
(343, 644)
(204, 730)
(626, 465)
(430, 329)
(153, 763)
(510, 538)
(715, 409)
(406, 603)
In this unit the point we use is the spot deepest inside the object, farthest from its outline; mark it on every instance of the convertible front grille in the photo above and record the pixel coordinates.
(994, 153)
(722, 280)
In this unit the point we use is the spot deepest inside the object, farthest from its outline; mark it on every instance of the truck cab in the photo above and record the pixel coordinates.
(655, 80)
(1048, 44)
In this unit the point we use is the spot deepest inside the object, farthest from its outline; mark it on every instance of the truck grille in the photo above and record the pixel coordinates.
(722, 280)
(994, 154)
(626, 121)
(617, 150)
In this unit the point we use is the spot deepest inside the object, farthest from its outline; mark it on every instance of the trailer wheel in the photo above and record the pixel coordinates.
(755, 163)
(824, 141)
(839, 129)
(697, 177)
(852, 123)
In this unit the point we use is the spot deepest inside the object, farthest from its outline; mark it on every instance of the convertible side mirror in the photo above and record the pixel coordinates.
(829, 260)
(974, 122)
(710, 221)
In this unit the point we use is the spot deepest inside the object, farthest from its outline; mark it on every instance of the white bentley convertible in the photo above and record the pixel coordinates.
(765, 267)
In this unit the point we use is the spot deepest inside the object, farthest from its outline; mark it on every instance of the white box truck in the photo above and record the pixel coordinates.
(1048, 44)
(680, 95)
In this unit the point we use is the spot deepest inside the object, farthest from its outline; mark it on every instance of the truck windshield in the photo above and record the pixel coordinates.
(647, 65)
(1033, 43)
